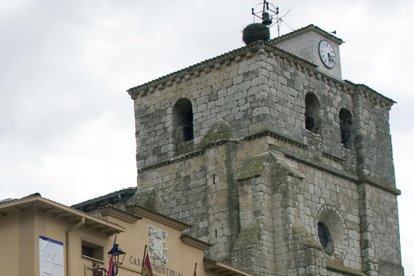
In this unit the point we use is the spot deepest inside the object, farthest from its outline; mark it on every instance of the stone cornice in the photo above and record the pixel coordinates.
(371, 95)
(322, 167)
(337, 267)
(258, 48)
(376, 182)
(332, 157)
(353, 178)
(169, 161)
(200, 151)
(276, 136)
(217, 62)
(269, 50)
(258, 135)
(305, 29)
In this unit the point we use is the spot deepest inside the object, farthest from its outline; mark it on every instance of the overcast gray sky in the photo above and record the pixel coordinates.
(67, 124)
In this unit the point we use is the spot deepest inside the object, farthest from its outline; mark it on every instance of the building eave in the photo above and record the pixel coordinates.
(105, 200)
(219, 268)
(37, 203)
(119, 214)
(194, 242)
(158, 217)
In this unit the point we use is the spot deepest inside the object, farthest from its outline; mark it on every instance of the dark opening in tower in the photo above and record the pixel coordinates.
(183, 120)
(325, 238)
(345, 124)
(312, 113)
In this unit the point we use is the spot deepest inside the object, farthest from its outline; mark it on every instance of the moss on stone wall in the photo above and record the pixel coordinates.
(252, 167)
(255, 165)
(248, 237)
(218, 132)
(305, 238)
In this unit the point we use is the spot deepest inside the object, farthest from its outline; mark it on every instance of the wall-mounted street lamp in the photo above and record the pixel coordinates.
(118, 256)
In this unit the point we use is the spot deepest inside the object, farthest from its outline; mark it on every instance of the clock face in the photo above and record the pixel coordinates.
(327, 54)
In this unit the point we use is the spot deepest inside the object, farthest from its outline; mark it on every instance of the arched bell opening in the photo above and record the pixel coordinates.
(312, 113)
(345, 125)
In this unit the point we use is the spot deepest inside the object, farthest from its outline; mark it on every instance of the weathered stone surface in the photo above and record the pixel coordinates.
(254, 182)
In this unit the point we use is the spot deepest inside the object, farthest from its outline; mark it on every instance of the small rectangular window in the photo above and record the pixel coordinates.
(92, 250)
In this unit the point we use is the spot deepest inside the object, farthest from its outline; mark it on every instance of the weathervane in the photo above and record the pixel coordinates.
(269, 15)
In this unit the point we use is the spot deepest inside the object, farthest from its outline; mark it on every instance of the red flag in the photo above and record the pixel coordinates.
(146, 265)
(112, 268)
(195, 269)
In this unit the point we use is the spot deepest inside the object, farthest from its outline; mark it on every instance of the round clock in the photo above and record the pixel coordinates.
(327, 54)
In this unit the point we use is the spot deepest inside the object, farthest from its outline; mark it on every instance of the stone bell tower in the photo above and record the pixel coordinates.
(285, 168)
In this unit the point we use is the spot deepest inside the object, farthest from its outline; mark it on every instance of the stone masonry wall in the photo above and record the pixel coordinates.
(321, 189)
(180, 191)
(197, 191)
(380, 232)
(201, 192)
(373, 139)
(255, 183)
(228, 93)
(286, 102)
(263, 92)
(266, 92)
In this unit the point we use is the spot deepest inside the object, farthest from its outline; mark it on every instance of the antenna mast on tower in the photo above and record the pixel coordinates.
(269, 14)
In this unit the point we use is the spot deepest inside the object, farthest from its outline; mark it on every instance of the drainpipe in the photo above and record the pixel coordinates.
(70, 229)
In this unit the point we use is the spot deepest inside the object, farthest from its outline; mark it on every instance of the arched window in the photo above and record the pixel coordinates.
(331, 231)
(345, 125)
(183, 120)
(312, 113)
